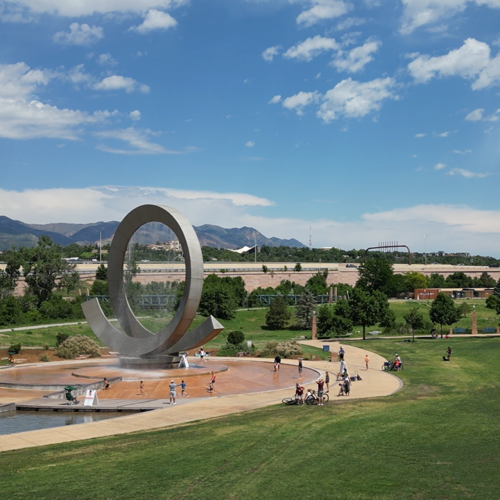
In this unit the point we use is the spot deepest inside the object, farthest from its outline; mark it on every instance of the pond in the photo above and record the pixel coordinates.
(21, 421)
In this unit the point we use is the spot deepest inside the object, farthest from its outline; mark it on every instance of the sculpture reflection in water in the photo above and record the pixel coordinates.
(139, 347)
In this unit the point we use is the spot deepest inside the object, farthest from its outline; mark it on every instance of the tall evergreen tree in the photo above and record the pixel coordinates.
(305, 309)
(278, 315)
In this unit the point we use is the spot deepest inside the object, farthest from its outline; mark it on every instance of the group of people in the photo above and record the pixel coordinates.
(321, 383)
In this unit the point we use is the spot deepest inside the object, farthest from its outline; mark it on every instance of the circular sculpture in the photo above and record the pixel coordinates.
(139, 346)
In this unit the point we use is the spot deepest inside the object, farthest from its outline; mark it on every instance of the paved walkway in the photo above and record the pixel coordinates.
(375, 383)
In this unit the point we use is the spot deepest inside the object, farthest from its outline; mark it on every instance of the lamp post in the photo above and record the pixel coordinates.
(100, 244)
(425, 252)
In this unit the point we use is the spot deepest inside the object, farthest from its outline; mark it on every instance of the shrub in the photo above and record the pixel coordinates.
(44, 358)
(15, 348)
(284, 349)
(78, 345)
(492, 301)
(56, 308)
(61, 337)
(236, 337)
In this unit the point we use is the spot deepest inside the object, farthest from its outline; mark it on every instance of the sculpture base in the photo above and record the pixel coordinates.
(158, 362)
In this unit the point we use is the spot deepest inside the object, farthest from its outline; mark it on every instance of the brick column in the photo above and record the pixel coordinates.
(314, 330)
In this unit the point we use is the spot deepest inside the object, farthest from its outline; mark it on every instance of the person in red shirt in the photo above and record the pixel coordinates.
(299, 393)
(321, 386)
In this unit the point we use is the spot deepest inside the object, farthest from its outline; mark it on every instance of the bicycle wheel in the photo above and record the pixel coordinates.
(291, 401)
(311, 401)
(326, 398)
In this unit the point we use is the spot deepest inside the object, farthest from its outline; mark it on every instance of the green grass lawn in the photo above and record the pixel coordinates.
(438, 438)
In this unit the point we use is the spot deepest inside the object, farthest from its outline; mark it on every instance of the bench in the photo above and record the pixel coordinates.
(197, 355)
(459, 330)
(489, 330)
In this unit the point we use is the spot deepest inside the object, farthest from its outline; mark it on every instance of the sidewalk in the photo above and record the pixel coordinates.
(375, 383)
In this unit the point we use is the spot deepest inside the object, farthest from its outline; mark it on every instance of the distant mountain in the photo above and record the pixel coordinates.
(17, 233)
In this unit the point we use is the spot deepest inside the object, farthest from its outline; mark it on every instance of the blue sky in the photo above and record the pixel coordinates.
(365, 121)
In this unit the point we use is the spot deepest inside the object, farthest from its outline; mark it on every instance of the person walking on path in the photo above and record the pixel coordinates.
(300, 368)
(321, 386)
(277, 361)
(202, 354)
(211, 386)
(448, 353)
(105, 384)
(183, 388)
(141, 388)
(173, 391)
(367, 360)
(327, 381)
(341, 353)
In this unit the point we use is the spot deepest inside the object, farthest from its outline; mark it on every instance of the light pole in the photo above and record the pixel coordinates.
(100, 244)
(425, 253)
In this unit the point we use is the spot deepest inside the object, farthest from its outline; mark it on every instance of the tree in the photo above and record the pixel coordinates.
(376, 275)
(492, 301)
(414, 319)
(317, 284)
(11, 274)
(235, 337)
(101, 273)
(416, 280)
(437, 281)
(217, 301)
(443, 311)
(365, 308)
(458, 280)
(484, 281)
(464, 309)
(496, 290)
(297, 267)
(43, 267)
(278, 315)
(324, 319)
(305, 309)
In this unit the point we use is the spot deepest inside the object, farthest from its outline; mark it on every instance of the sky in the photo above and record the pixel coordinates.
(350, 122)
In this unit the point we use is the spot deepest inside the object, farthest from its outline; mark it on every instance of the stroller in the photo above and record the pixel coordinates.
(71, 400)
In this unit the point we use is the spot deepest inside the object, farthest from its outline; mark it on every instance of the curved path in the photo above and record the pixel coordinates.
(375, 383)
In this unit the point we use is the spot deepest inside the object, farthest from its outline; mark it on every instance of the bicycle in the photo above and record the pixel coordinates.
(292, 401)
(313, 398)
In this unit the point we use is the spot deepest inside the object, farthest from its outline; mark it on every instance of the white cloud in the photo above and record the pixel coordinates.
(155, 20)
(443, 134)
(117, 82)
(355, 99)
(250, 144)
(136, 138)
(356, 59)
(471, 61)
(90, 7)
(420, 135)
(476, 115)
(311, 47)
(320, 10)
(467, 62)
(466, 152)
(298, 101)
(77, 75)
(419, 13)
(467, 173)
(23, 116)
(275, 99)
(271, 52)
(135, 115)
(349, 23)
(439, 166)
(106, 60)
(453, 228)
(80, 34)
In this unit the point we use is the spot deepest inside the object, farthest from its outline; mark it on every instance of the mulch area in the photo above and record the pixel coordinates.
(32, 355)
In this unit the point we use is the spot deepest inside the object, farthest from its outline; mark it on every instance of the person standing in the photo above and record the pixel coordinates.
(173, 391)
(327, 381)
(141, 388)
(277, 362)
(105, 384)
(448, 353)
(300, 368)
(367, 361)
(299, 393)
(183, 388)
(321, 386)
(201, 353)
(341, 353)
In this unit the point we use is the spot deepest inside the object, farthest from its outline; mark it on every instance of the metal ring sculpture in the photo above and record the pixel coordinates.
(139, 341)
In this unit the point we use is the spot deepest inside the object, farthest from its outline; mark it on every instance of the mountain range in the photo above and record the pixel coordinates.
(19, 234)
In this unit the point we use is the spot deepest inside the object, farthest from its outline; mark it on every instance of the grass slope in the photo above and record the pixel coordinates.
(438, 438)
